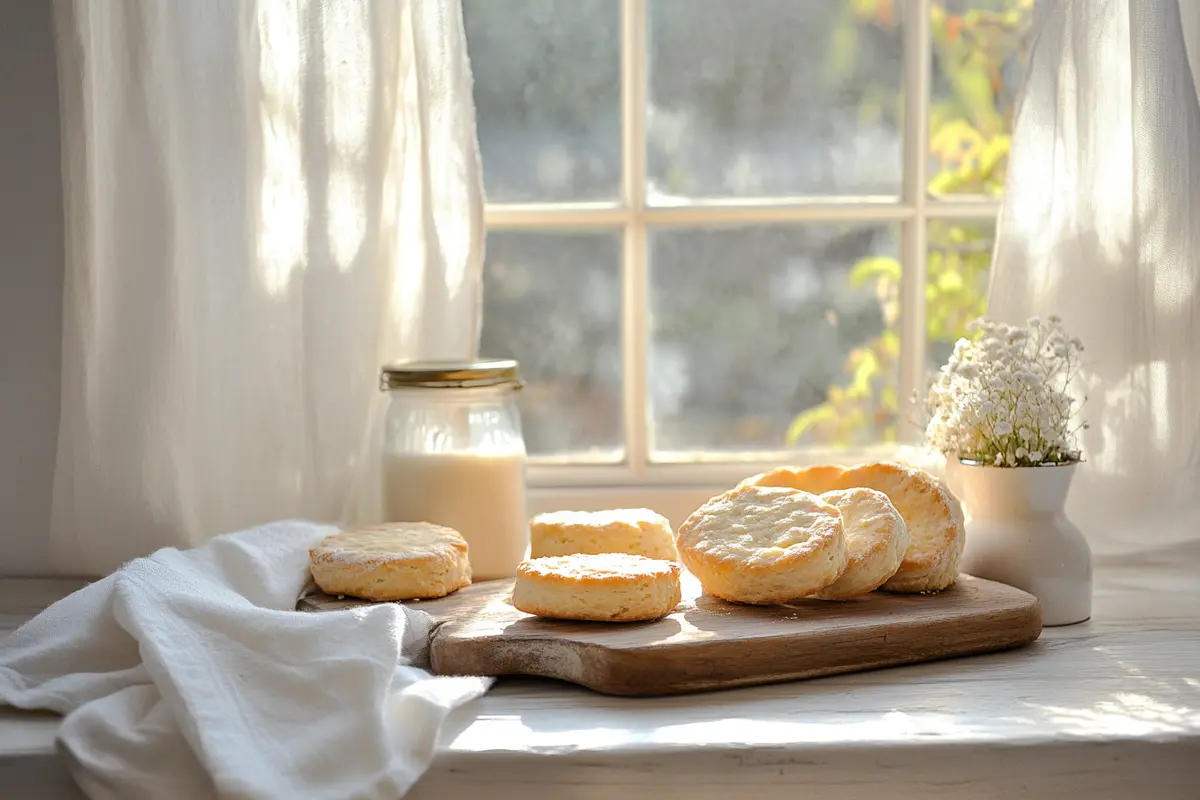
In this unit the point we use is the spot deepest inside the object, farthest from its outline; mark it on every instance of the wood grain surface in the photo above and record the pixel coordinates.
(711, 644)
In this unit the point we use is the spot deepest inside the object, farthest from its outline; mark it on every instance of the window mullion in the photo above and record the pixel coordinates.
(917, 57)
(635, 309)
(988, 209)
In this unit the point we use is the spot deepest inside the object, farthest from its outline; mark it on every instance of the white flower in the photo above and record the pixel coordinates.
(998, 384)
(1034, 322)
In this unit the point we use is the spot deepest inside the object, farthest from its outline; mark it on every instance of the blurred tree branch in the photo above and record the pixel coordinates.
(975, 51)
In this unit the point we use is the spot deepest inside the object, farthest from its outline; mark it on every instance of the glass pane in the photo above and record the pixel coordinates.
(553, 302)
(774, 97)
(765, 338)
(979, 54)
(960, 255)
(547, 97)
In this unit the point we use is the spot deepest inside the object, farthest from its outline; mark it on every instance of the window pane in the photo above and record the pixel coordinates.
(960, 255)
(553, 302)
(979, 49)
(774, 97)
(547, 97)
(768, 337)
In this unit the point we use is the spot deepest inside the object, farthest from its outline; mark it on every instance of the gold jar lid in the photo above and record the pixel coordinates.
(450, 374)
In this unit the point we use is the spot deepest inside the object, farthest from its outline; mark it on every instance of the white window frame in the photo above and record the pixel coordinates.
(913, 210)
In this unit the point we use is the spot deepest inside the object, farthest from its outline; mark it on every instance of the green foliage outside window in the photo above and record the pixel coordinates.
(978, 55)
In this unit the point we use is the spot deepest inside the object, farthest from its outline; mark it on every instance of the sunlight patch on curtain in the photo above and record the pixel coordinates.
(283, 205)
(350, 79)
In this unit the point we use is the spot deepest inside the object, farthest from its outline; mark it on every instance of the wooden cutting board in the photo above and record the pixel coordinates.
(711, 644)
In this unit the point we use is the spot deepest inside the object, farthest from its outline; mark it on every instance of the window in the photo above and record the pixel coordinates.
(720, 230)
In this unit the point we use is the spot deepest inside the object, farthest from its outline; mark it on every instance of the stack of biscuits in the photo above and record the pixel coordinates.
(606, 566)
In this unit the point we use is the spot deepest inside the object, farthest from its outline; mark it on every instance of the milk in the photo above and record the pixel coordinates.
(482, 496)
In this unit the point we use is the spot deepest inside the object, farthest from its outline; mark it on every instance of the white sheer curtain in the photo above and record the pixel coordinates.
(1101, 224)
(265, 200)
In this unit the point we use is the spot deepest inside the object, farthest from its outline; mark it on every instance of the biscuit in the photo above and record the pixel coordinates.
(638, 531)
(934, 519)
(876, 539)
(394, 561)
(603, 587)
(756, 544)
(816, 480)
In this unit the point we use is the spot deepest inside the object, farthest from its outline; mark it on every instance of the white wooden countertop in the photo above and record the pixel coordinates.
(1106, 709)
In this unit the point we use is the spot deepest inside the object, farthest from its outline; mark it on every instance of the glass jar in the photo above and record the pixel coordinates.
(453, 455)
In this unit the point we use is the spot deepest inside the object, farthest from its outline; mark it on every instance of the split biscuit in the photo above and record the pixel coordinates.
(394, 561)
(602, 587)
(934, 519)
(638, 531)
(876, 540)
(762, 545)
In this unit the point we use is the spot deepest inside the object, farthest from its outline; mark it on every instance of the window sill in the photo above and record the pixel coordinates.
(1110, 708)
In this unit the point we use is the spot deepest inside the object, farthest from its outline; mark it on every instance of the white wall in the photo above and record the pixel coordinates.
(31, 276)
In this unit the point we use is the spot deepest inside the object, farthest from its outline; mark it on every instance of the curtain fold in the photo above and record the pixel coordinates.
(265, 200)
(1101, 225)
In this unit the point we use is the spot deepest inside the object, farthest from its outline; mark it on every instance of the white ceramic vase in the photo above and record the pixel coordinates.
(1018, 533)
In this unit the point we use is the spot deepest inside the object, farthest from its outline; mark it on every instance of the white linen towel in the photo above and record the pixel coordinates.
(189, 674)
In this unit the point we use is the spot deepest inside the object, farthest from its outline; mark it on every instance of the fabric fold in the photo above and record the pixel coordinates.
(189, 673)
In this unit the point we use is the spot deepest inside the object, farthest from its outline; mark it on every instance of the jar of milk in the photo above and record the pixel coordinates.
(453, 455)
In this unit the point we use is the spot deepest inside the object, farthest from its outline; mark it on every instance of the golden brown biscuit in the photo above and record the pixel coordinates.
(756, 544)
(815, 480)
(603, 587)
(934, 521)
(876, 539)
(638, 531)
(394, 561)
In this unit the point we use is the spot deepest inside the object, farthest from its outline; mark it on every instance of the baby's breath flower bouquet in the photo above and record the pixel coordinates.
(1003, 399)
